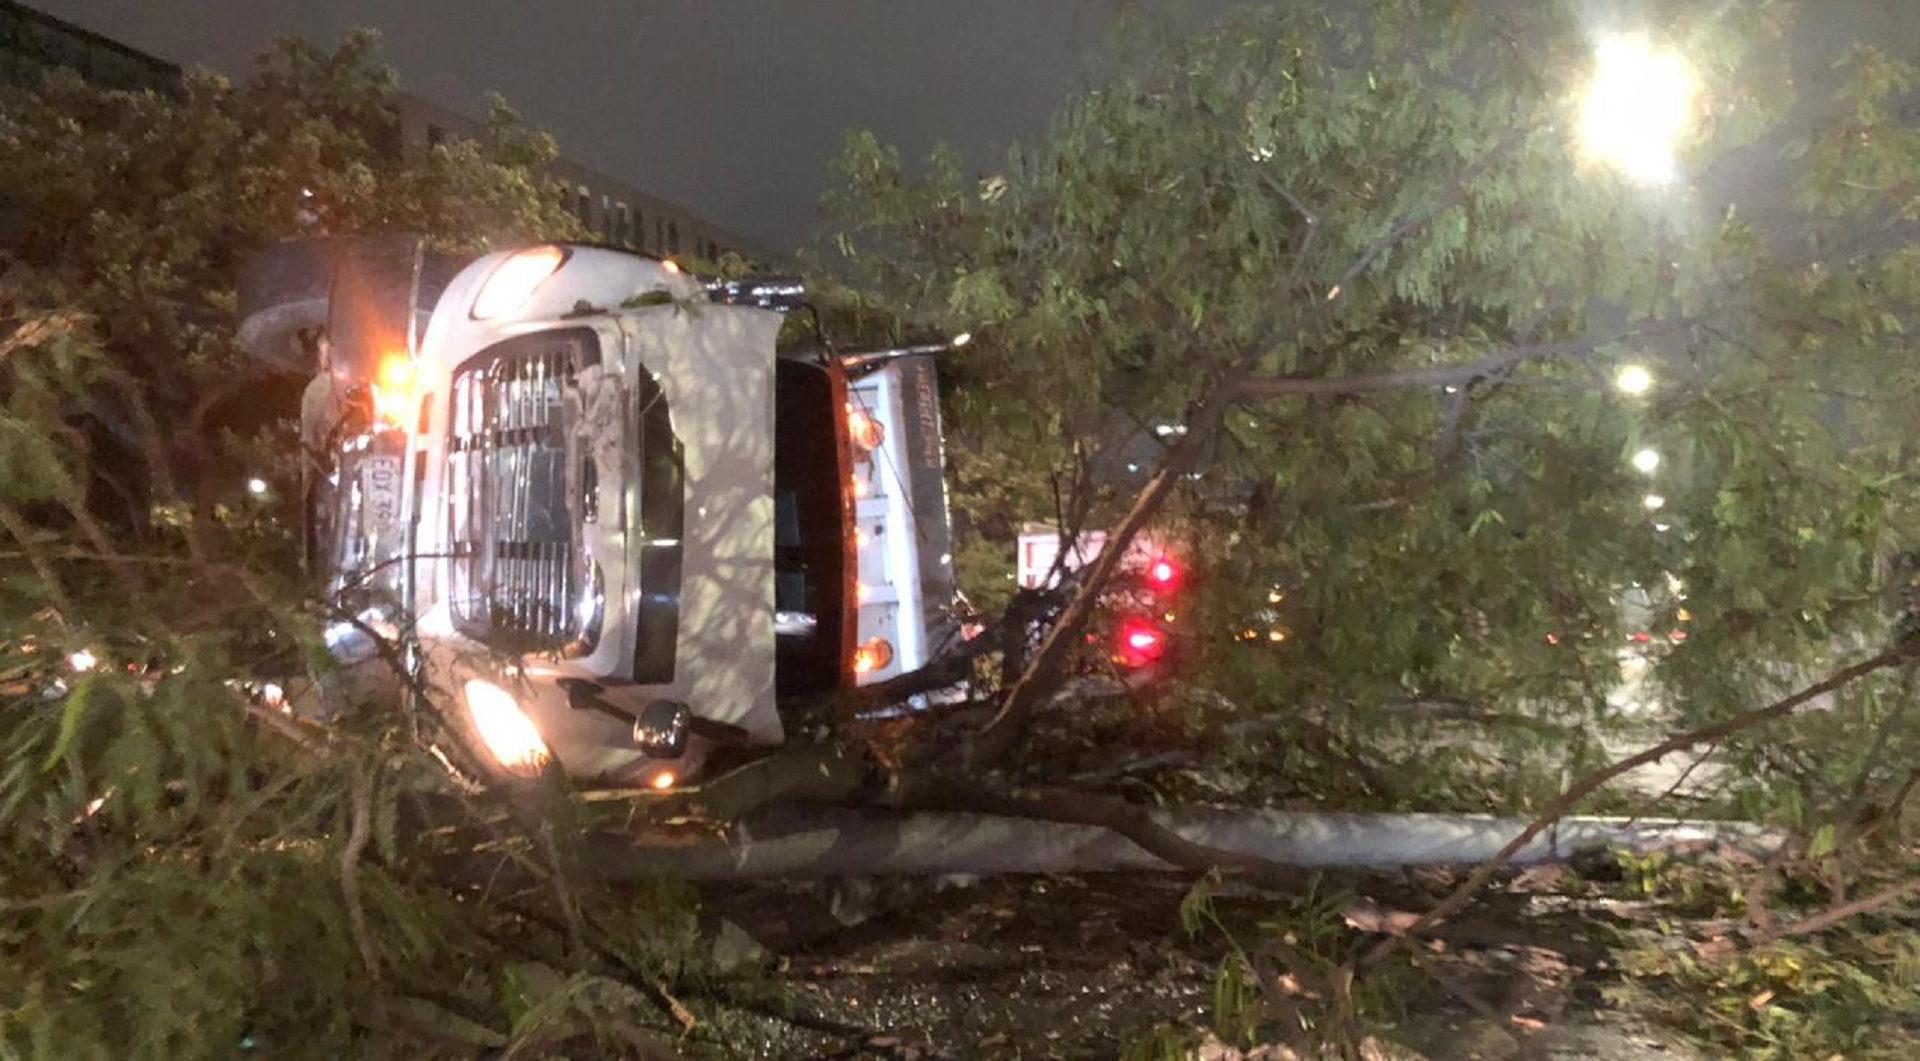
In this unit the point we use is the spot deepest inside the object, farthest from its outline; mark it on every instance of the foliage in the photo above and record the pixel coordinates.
(1347, 260)
(189, 871)
(1349, 279)
(132, 211)
(1847, 994)
(1229, 232)
(1849, 989)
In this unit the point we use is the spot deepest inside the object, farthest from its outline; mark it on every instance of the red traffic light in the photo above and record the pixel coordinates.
(1141, 643)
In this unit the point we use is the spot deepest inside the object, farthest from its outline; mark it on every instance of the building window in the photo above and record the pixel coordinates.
(435, 135)
(637, 235)
(673, 237)
(606, 219)
(584, 208)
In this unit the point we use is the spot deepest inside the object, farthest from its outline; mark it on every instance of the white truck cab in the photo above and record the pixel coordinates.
(633, 527)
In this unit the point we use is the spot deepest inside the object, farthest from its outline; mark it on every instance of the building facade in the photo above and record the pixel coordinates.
(615, 212)
(33, 42)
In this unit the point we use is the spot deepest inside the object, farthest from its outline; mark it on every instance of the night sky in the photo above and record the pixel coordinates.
(732, 108)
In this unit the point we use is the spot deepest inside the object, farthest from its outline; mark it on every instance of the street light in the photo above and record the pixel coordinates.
(1633, 380)
(1636, 107)
(1646, 461)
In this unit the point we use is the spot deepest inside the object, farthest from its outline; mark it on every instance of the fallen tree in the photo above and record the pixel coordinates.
(1375, 308)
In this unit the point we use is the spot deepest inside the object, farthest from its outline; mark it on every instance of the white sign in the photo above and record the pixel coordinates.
(380, 491)
(1040, 549)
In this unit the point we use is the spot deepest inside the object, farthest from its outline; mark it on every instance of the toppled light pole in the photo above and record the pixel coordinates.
(851, 842)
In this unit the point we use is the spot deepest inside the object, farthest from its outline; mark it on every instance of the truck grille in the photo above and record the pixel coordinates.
(517, 581)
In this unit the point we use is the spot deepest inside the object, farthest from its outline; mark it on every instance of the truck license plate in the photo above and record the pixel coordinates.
(380, 489)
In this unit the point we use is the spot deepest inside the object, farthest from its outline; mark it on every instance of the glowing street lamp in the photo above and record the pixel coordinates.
(1636, 107)
(1633, 380)
(1647, 461)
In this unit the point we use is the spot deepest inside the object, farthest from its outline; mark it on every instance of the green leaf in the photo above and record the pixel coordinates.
(1822, 843)
(1196, 907)
(72, 713)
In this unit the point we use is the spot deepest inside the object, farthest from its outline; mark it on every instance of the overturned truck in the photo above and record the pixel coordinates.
(608, 520)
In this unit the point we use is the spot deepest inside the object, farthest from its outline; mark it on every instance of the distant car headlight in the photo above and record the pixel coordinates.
(505, 729)
(512, 282)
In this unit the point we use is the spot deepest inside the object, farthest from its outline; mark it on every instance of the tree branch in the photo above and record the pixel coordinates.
(17, 527)
(359, 832)
(1457, 375)
(1412, 223)
(1043, 671)
(1592, 782)
(1832, 916)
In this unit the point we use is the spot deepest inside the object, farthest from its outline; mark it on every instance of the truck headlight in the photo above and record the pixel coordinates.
(512, 282)
(505, 729)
